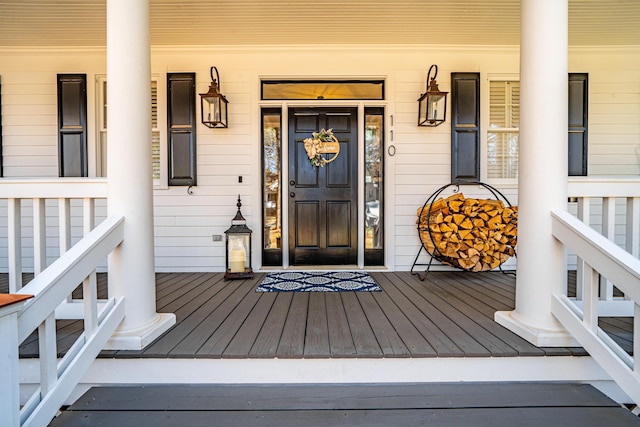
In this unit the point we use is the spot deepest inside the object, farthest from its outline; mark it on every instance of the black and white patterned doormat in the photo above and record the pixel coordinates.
(318, 281)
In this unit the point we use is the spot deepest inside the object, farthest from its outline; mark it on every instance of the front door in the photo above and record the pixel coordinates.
(323, 201)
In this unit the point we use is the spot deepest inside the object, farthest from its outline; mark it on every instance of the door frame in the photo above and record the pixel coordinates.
(389, 249)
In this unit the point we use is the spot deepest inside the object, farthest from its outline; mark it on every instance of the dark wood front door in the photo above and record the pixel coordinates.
(323, 201)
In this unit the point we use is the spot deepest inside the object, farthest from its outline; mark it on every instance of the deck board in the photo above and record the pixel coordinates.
(316, 341)
(266, 343)
(437, 339)
(225, 322)
(446, 319)
(445, 404)
(468, 319)
(338, 325)
(248, 332)
(292, 341)
(450, 314)
(387, 337)
(364, 337)
(413, 340)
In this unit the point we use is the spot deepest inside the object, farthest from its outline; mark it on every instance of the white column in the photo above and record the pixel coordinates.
(130, 185)
(543, 168)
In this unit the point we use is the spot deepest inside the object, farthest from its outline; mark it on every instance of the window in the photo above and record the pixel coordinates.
(373, 186)
(101, 144)
(271, 188)
(504, 124)
(578, 117)
(322, 89)
(503, 132)
(72, 125)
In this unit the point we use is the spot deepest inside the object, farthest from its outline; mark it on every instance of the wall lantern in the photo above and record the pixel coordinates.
(238, 248)
(432, 105)
(213, 104)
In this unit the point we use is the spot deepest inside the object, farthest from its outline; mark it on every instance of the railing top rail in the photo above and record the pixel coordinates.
(599, 186)
(8, 299)
(31, 188)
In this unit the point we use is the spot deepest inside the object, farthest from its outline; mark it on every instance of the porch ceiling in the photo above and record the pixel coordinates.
(67, 23)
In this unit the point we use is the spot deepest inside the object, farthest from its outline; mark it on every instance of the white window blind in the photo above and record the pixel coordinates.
(504, 124)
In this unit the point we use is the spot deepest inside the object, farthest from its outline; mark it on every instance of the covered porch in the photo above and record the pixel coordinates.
(178, 328)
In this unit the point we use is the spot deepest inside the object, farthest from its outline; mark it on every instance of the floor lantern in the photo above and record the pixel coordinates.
(238, 248)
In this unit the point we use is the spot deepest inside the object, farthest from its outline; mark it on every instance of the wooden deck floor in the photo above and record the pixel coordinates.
(448, 315)
(384, 405)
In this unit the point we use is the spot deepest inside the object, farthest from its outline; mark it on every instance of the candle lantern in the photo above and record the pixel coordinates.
(213, 104)
(432, 105)
(238, 248)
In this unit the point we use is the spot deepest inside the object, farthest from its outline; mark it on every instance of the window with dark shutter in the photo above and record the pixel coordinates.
(72, 125)
(578, 103)
(465, 127)
(181, 124)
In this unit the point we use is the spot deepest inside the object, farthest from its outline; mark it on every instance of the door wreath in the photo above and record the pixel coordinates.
(323, 142)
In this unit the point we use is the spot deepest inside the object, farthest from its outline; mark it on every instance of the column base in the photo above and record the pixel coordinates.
(540, 337)
(139, 338)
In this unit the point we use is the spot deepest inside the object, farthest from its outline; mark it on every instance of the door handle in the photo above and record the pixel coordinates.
(292, 183)
(292, 194)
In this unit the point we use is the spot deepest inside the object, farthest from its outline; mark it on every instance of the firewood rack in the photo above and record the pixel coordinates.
(436, 254)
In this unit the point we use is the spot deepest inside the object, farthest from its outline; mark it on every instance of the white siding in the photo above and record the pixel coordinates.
(184, 223)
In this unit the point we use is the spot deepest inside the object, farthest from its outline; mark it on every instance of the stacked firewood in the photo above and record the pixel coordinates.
(471, 234)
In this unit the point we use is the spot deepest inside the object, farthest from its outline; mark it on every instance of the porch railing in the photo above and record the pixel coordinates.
(31, 201)
(612, 207)
(50, 288)
(600, 257)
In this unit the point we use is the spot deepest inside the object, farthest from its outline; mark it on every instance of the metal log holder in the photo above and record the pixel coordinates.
(437, 255)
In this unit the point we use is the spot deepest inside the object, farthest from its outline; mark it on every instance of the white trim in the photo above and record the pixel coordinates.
(109, 371)
(30, 50)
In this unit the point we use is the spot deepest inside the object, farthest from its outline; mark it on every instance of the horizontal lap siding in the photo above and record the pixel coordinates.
(184, 223)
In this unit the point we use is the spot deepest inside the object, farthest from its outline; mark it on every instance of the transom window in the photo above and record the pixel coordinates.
(322, 89)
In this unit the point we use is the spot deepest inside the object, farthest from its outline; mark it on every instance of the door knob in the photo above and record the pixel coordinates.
(292, 182)
(292, 194)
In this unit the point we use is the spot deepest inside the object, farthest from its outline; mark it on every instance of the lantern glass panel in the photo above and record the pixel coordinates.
(422, 106)
(213, 109)
(436, 107)
(238, 252)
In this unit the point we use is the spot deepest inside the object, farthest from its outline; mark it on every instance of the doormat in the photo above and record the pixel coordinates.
(319, 281)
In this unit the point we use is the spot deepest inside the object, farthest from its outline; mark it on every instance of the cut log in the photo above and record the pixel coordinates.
(467, 233)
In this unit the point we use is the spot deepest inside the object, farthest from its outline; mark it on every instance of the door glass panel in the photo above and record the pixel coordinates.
(271, 195)
(374, 146)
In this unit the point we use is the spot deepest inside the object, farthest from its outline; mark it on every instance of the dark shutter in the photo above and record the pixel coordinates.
(72, 125)
(181, 122)
(465, 127)
(578, 102)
